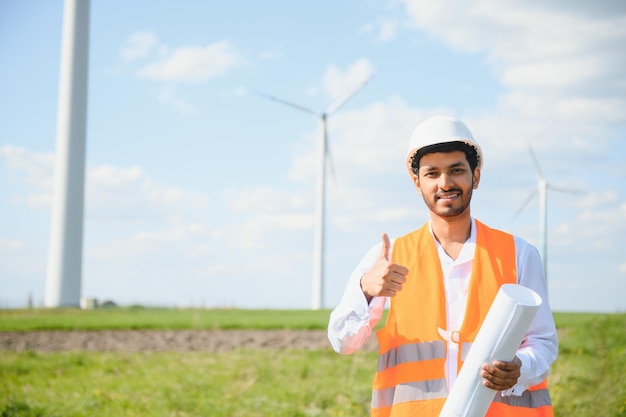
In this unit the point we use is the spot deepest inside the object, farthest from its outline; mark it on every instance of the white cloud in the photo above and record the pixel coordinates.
(602, 224)
(384, 29)
(379, 132)
(263, 199)
(139, 45)
(168, 96)
(269, 215)
(540, 51)
(109, 188)
(194, 63)
(262, 230)
(33, 170)
(338, 84)
(109, 176)
(125, 192)
(170, 234)
(36, 166)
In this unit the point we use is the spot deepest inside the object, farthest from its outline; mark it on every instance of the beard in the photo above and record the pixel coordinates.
(451, 208)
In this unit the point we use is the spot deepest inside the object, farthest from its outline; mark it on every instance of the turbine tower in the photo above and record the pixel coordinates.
(320, 205)
(542, 189)
(63, 280)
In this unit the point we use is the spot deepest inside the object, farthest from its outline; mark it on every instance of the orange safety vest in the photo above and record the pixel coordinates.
(410, 379)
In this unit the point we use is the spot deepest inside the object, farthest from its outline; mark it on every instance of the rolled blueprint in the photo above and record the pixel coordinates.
(499, 338)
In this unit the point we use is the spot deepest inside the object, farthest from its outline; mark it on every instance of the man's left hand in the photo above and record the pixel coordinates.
(501, 375)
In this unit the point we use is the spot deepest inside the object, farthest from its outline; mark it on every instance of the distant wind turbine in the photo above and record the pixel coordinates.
(542, 188)
(323, 153)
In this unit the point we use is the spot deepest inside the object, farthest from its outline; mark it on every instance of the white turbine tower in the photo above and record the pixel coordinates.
(322, 153)
(542, 188)
(63, 280)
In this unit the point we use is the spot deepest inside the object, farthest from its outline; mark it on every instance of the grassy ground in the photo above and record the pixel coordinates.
(160, 318)
(586, 381)
(588, 378)
(239, 383)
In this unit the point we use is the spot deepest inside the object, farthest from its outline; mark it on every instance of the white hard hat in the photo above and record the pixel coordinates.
(440, 129)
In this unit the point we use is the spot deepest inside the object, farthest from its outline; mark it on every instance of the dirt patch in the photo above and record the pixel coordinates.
(168, 340)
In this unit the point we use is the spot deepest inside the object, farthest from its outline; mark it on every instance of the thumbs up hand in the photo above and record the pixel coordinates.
(385, 278)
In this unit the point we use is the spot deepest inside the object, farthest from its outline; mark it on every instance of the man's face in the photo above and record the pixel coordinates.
(446, 181)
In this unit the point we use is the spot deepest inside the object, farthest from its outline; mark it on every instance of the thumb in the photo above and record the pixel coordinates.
(386, 249)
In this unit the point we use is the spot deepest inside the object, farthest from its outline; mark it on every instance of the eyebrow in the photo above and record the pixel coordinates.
(454, 165)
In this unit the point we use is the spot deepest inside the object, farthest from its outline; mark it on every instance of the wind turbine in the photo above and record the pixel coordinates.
(320, 206)
(542, 188)
(64, 273)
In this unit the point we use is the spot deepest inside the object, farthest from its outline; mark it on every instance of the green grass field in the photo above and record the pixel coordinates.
(587, 380)
(160, 318)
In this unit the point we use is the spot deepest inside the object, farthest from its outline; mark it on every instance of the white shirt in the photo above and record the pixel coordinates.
(352, 321)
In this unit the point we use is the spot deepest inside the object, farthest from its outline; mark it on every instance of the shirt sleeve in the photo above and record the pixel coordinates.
(352, 321)
(539, 348)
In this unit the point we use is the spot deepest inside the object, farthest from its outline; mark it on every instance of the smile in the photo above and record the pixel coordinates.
(448, 196)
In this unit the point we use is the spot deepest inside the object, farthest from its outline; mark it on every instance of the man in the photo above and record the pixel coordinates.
(441, 280)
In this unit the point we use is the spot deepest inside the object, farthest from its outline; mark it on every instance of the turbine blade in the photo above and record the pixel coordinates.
(286, 103)
(535, 161)
(565, 189)
(524, 204)
(339, 103)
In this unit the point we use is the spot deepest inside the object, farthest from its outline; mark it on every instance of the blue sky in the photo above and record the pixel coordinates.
(200, 192)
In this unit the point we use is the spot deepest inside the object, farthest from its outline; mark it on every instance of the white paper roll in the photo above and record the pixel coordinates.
(499, 337)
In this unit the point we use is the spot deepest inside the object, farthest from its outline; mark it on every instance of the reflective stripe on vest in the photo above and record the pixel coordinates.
(410, 391)
(529, 399)
(413, 352)
(534, 397)
(410, 357)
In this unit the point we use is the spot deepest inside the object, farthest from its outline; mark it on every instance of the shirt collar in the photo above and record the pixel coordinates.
(467, 253)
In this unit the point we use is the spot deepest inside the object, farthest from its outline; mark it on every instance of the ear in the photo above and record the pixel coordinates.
(476, 178)
(416, 181)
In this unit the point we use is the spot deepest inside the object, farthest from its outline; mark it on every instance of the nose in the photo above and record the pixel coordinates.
(445, 182)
